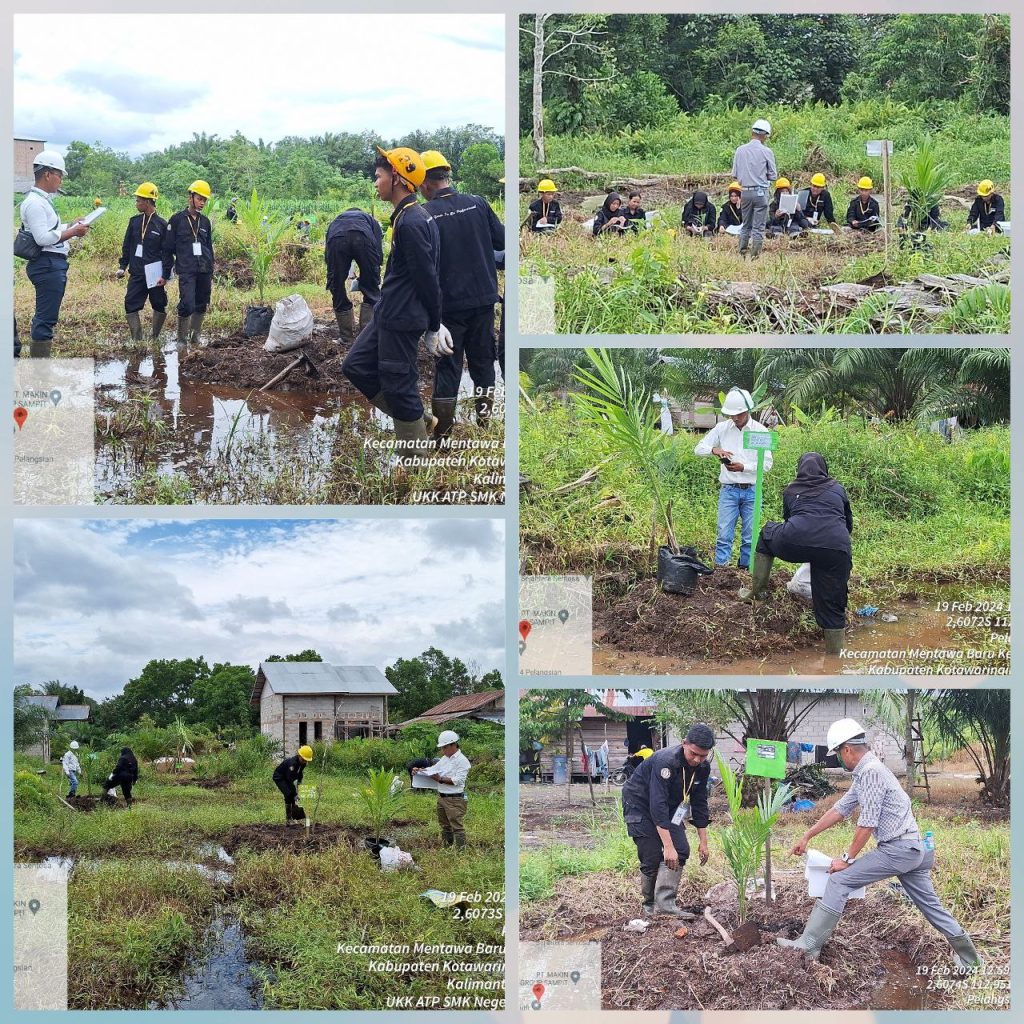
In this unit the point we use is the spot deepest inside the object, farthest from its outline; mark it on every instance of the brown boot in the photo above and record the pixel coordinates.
(346, 325)
(444, 411)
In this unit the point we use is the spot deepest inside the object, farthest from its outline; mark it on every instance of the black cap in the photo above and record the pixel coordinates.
(700, 735)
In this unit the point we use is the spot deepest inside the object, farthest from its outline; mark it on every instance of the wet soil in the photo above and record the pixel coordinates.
(868, 964)
(294, 838)
(83, 803)
(219, 783)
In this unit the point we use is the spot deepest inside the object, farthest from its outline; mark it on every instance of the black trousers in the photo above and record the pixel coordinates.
(344, 249)
(648, 849)
(830, 577)
(473, 339)
(137, 293)
(381, 360)
(194, 292)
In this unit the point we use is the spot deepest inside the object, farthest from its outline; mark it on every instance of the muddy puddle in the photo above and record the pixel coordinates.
(782, 638)
(903, 988)
(295, 838)
(168, 417)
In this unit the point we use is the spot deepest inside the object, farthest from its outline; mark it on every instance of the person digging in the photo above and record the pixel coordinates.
(125, 775)
(450, 772)
(665, 791)
(287, 777)
(900, 853)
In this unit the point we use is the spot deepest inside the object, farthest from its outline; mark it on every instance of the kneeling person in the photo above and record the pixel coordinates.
(450, 772)
(665, 791)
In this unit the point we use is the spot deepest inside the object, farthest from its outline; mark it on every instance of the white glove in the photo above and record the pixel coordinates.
(120, 273)
(439, 342)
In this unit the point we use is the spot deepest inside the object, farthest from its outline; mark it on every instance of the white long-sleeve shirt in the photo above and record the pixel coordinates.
(727, 436)
(69, 762)
(43, 221)
(455, 768)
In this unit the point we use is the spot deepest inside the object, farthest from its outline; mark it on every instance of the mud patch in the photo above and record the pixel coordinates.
(83, 803)
(221, 782)
(712, 624)
(294, 838)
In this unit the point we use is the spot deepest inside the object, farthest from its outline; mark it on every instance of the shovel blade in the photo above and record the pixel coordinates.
(745, 937)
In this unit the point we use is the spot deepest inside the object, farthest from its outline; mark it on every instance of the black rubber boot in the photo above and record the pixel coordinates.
(647, 884)
(834, 640)
(365, 315)
(346, 325)
(134, 326)
(158, 325)
(444, 410)
(195, 324)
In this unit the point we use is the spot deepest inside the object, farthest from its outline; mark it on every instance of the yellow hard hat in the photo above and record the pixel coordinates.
(546, 185)
(306, 752)
(818, 180)
(986, 188)
(147, 190)
(406, 163)
(432, 159)
(865, 182)
(736, 187)
(783, 183)
(201, 188)
(97, 201)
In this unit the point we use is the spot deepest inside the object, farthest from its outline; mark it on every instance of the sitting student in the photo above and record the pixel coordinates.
(633, 212)
(988, 209)
(545, 211)
(730, 215)
(816, 202)
(932, 221)
(609, 218)
(780, 223)
(863, 213)
(699, 215)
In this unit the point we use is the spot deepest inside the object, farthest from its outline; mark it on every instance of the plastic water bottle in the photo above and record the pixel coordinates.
(929, 842)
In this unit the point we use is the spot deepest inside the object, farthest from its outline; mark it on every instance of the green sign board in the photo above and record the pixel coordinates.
(766, 758)
(761, 440)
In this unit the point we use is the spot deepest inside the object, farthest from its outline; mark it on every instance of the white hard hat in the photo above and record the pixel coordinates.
(74, 744)
(447, 737)
(842, 732)
(50, 158)
(737, 401)
(762, 127)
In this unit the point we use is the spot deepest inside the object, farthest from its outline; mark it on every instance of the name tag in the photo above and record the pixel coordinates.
(138, 250)
(197, 249)
(683, 813)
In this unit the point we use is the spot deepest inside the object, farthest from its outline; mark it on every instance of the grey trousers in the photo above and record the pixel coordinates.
(904, 859)
(754, 210)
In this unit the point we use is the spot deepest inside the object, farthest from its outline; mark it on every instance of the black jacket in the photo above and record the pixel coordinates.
(152, 244)
(822, 206)
(181, 232)
(985, 212)
(601, 218)
(351, 222)
(692, 217)
(798, 218)
(288, 775)
(126, 770)
(634, 220)
(554, 214)
(857, 211)
(822, 521)
(410, 297)
(729, 216)
(932, 222)
(470, 233)
(655, 789)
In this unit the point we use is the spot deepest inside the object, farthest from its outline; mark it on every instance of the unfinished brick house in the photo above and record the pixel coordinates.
(309, 701)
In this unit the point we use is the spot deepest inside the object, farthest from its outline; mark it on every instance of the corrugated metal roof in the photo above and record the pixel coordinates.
(73, 712)
(43, 701)
(294, 677)
(464, 702)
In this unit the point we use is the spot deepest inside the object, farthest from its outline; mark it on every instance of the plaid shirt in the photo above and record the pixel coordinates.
(884, 806)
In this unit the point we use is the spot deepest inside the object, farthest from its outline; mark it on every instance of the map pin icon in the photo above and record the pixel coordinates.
(563, 615)
(538, 991)
(20, 415)
(33, 905)
(524, 628)
(574, 976)
(55, 397)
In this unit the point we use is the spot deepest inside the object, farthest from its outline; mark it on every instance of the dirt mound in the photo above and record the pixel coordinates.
(296, 838)
(84, 803)
(220, 782)
(712, 624)
(240, 362)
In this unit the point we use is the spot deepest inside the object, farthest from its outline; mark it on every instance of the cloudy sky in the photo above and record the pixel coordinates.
(97, 600)
(138, 83)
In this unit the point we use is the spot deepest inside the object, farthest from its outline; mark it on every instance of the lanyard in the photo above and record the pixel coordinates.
(863, 208)
(145, 227)
(194, 230)
(686, 789)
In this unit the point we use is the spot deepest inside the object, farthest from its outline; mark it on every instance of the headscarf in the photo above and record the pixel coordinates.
(812, 477)
(608, 200)
(699, 198)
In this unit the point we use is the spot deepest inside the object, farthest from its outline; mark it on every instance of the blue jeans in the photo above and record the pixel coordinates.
(734, 503)
(49, 276)
(72, 783)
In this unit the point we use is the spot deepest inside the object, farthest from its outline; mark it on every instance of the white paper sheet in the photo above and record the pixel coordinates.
(732, 229)
(421, 781)
(787, 204)
(816, 873)
(154, 271)
(95, 215)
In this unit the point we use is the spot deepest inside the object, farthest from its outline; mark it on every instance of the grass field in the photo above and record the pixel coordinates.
(148, 886)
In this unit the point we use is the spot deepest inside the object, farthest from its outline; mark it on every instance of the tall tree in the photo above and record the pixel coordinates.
(163, 689)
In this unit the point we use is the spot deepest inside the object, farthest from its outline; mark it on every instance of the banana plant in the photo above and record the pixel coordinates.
(743, 841)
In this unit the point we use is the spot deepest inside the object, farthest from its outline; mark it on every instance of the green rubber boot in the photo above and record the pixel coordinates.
(647, 885)
(134, 326)
(818, 930)
(967, 956)
(665, 891)
(760, 577)
(834, 640)
(158, 325)
(444, 410)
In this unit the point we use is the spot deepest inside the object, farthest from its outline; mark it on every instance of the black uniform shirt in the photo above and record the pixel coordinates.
(410, 297)
(656, 788)
(470, 232)
(729, 216)
(820, 205)
(537, 210)
(822, 521)
(351, 222)
(290, 770)
(699, 218)
(634, 218)
(152, 244)
(859, 210)
(986, 211)
(182, 232)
